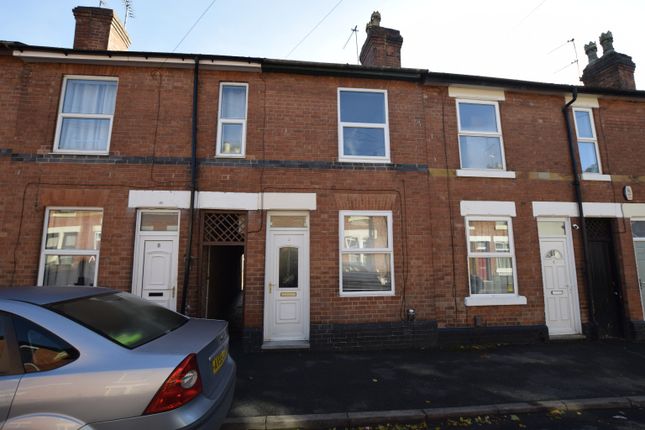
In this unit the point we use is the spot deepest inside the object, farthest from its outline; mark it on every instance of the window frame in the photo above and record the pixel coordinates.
(44, 252)
(385, 126)
(498, 134)
(342, 251)
(62, 115)
(222, 121)
(480, 299)
(594, 140)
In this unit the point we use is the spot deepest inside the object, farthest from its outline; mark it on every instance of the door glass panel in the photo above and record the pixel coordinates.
(638, 229)
(289, 221)
(288, 276)
(554, 254)
(163, 221)
(551, 228)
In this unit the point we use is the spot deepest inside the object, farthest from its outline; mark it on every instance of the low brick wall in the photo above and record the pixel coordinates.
(490, 335)
(372, 336)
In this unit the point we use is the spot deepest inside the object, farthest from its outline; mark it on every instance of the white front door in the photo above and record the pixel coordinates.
(159, 272)
(562, 311)
(155, 260)
(286, 298)
(639, 248)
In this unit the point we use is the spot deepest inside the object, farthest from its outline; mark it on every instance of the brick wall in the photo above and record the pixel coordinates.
(293, 118)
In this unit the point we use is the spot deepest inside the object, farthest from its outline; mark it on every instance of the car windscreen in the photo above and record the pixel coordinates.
(123, 318)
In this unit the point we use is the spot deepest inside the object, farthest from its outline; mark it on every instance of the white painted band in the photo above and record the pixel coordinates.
(221, 200)
(591, 209)
(483, 207)
(477, 93)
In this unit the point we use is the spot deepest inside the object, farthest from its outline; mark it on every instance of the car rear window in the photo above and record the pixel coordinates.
(123, 318)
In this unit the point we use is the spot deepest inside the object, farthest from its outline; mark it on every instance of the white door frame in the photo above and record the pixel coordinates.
(139, 241)
(639, 275)
(575, 299)
(306, 291)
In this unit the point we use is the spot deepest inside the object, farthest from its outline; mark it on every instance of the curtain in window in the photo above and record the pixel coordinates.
(89, 97)
(84, 134)
(84, 99)
(234, 102)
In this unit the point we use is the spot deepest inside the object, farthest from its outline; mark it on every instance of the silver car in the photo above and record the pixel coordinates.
(97, 359)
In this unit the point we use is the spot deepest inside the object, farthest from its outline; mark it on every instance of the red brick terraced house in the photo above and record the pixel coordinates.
(324, 205)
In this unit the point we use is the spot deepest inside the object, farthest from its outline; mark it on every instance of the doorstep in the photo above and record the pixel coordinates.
(286, 344)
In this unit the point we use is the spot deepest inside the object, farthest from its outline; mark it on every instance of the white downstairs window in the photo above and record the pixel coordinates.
(85, 115)
(70, 247)
(492, 275)
(366, 256)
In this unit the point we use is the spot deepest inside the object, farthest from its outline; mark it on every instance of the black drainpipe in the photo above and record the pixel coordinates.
(193, 189)
(583, 224)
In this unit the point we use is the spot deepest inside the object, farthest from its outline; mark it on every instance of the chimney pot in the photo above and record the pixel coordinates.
(612, 70)
(592, 51)
(382, 48)
(99, 29)
(607, 42)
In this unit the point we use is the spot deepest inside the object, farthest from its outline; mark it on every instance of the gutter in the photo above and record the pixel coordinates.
(583, 225)
(193, 188)
(227, 62)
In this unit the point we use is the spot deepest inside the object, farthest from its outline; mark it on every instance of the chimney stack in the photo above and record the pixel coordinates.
(382, 48)
(99, 29)
(612, 70)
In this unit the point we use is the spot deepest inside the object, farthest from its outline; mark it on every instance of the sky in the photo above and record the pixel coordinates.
(517, 39)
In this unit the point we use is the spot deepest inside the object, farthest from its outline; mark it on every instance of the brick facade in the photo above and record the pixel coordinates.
(292, 147)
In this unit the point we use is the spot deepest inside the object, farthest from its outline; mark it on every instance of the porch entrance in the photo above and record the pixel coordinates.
(605, 284)
(223, 240)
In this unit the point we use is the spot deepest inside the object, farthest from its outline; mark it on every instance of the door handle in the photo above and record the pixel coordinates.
(270, 287)
(173, 292)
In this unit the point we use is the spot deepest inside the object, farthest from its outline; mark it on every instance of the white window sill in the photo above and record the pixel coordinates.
(474, 173)
(596, 177)
(57, 152)
(365, 160)
(494, 300)
(229, 156)
(368, 294)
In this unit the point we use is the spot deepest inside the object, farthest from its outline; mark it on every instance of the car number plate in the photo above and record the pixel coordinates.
(218, 361)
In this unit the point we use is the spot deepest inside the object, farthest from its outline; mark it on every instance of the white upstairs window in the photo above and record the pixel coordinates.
(85, 115)
(363, 133)
(480, 135)
(231, 125)
(587, 141)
